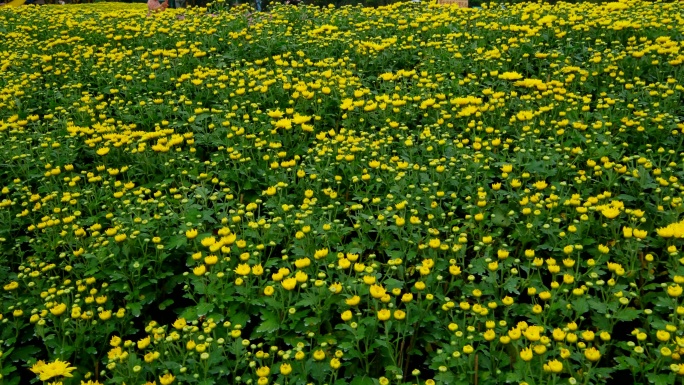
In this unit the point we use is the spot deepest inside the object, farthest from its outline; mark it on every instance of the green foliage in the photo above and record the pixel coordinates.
(412, 193)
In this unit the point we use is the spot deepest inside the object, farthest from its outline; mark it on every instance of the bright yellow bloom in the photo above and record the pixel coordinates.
(553, 366)
(336, 288)
(353, 301)
(289, 283)
(199, 270)
(59, 309)
(105, 315)
(53, 369)
(526, 354)
(143, 343)
(674, 290)
(610, 212)
(592, 354)
(662, 335)
(641, 234)
(166, 379)
(319, 355)
(243, 269)
(211, 260)
(180, 323)
(285, 369)
(377, 291)
(263, 371)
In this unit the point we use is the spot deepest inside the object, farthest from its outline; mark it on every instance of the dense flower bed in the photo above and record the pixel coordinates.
(414, 194)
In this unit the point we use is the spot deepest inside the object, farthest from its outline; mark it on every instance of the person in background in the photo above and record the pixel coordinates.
(179, 3)
(155, 6)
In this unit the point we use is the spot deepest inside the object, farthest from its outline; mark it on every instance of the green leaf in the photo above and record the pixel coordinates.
(6, 370)
(627, 362)
(204, 308)
(445, 378)
(580, 305)
(165, 304)
(238, 317)
(627, 314)
(25, 353)
(207, 216)
(274, 304)
(135, 308)
(308, 300)
(625, 197)
(176, 242)
(362, 381)
(311, 321)
(392, 283)
(500, 218)
(600, 321)
(511, 285)
(660, 379)
(597, 306)
(190, 313)
(317, 370)
(270, 323)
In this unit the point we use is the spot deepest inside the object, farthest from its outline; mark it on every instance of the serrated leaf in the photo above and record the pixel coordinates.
(24, 353)
(511, 285)
(625, 197)
(6, 370)
(204, 308)
(237, 317)
(135, 308)
(660, 379)
(392, 283)
(513, 377)
(176, 242)
(580, 305)
(208, 216)
(165, 304)
(308, 300)
(269, 324)
(600, 321)
(627, 314)
(445, 378)
(597, 306)
(362, 381)
(189, 314)
(500, 218)
(627, 362)
(317, 372)
(311, 321)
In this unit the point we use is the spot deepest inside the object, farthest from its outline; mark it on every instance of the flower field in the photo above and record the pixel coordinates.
(413, 194)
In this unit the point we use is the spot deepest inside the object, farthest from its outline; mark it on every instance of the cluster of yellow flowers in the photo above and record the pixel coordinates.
(413, 193)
